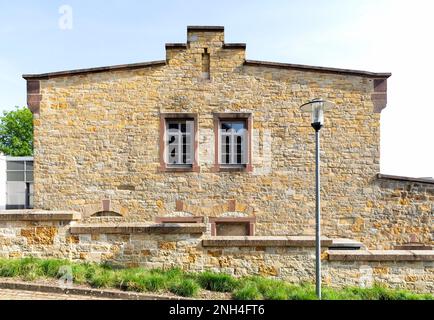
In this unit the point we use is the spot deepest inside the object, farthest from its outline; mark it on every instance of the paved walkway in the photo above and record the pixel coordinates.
(7, 294)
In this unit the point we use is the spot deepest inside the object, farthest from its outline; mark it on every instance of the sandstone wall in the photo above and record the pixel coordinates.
(97, 137)
(190, 247)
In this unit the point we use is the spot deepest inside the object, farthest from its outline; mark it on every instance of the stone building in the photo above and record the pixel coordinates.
(207, 135)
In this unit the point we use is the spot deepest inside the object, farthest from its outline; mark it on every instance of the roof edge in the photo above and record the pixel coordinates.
(234, 46)
(405, 179)
(94, 70)
(176, 46)
(226, 46)
(205, 28)
(317, 69)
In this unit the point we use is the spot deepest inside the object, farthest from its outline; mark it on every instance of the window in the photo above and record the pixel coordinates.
(206, 74)
(232, 142)
(19, 184)
(178, 142)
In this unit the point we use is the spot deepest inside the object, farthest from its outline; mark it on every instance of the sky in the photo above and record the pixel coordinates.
(375, 35)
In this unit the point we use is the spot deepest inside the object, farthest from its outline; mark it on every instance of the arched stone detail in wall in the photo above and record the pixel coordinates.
(233, 208)
(105, 206)
(229, 208)
(106, 214)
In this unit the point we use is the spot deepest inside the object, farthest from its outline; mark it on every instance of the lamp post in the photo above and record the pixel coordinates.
(317, 107)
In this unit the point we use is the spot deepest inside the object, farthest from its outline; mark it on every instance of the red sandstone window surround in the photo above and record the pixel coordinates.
(178, 142)
(233, 143)
(219, 226)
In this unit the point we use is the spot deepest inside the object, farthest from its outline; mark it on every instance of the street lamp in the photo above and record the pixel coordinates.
(317, 107)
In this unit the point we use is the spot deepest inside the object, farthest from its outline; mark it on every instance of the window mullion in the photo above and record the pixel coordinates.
(180, 149)
(233, 148)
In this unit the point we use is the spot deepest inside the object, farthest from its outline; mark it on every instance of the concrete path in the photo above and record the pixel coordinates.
(8, 294)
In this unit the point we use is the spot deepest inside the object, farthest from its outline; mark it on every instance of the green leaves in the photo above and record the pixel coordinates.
(16, 132)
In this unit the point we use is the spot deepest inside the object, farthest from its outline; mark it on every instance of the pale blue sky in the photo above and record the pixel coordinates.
(374, 35)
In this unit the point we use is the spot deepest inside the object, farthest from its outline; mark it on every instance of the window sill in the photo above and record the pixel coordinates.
(245, 168)
(180, 169)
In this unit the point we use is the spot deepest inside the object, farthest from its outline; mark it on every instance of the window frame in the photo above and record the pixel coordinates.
(250, 223)
(218, 119)
(28, 184)
(164, 119)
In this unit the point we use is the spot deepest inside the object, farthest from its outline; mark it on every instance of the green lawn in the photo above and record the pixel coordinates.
(186, 284)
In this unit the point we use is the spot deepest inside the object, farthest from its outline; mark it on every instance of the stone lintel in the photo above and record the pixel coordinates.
(137, 228)
(381, 255)
(39, 215)
(264, 241)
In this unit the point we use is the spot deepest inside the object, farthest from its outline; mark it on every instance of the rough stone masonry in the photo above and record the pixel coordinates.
(98, 147)
(190, 247)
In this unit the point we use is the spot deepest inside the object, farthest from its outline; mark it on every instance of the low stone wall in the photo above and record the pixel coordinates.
(189, 246)
(413, 270)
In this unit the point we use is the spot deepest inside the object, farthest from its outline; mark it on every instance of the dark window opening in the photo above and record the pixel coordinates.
(206, 74)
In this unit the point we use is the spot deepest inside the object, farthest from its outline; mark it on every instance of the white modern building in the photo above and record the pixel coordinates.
(16, 182)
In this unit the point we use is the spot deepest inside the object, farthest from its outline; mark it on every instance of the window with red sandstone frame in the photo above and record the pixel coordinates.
(233, 145)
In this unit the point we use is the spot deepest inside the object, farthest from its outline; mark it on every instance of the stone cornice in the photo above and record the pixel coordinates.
(206, 28)
(405, 179)
(130, 66)
(137, 228)
(381, 255)
(264, 241)
(39, 215)
(309, 68)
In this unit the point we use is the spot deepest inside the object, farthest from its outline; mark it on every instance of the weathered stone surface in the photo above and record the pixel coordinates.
(167, 245)
(39, 235)
(382, 255)
(39, 215)
(263, 241)
(137, 228)
(289, 258)
(110, 123)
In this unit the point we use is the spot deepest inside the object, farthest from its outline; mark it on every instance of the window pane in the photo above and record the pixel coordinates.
(239, 151)
(16, 193)
(15, 165)
(226, 126)
(172, 140)
(30, 195)
(29, 165)
(173, 155)
(237, 126)
(173, 126)
(15, 176)
(239, 159)
(29, 176)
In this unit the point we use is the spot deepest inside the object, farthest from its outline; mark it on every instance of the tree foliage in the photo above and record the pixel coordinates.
(16, 132)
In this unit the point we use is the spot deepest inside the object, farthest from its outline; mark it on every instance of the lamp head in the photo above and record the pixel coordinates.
(317, 107)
